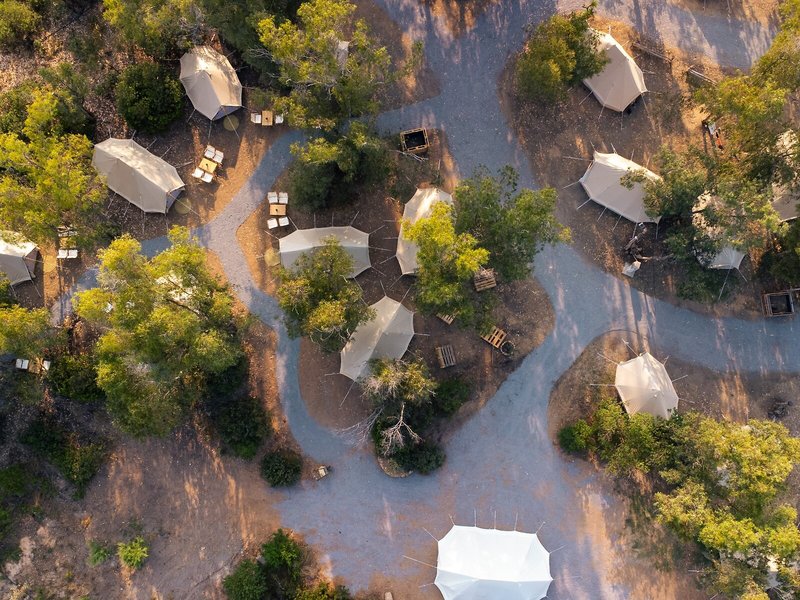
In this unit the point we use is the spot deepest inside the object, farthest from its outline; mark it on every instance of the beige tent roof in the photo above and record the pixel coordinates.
(301, 241)
(417, 208)
(602, 182)
(210, 82)
(17, 259)
(385, 336)
(140, 177)
(785, 196)
(621, 80)
(644, 386)
(728, 257)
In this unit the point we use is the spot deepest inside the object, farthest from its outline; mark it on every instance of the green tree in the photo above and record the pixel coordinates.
(168, 329)
(160, 27)
(561, 52)
(511, 225)
(148, 97)
(247, 582)
(47, 179)
(25, 332)
(318, 299)
(447, 263)
(14, 106)
(19, 21)
(71, 87)
(328, 83)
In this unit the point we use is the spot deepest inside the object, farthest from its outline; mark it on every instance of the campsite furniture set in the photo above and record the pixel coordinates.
(212, 158)
(66, 248)
(32, 366)
(266, 118)
(322, 471)
(278, 201)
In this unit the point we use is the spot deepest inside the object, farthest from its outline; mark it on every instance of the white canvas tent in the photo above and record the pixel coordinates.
(17, 259)
(142, 178)
(644, 386)
(301, 241)
(417, 208)
(785, 196)
(385, 336)
(621, 81)
(210, 82)
(728, 257)
(602, 183)
(490, 564)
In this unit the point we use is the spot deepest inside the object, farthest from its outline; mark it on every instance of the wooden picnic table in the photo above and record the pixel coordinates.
(208, 165)
(266, 118)
(277, 210)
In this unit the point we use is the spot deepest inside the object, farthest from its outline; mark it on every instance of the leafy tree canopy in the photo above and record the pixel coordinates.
(168, 328)
(161, 28)
(511, 225)
(318, 299)
(148, 97)
(24, 332)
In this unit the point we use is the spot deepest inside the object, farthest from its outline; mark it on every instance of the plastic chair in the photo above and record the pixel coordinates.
(272, 223)
(218, 156)
(272, 197)
(283, 198)
(198, 173)
(255, 118)
(72, 253)
(278, 119)
(209, 152)
(61, 253)
(22, 364)
(283, 221)
(207, 177)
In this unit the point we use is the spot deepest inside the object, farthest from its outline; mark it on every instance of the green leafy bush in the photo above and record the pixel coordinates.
(424, 458)
(283, 560)
(575, 437)
(242, 425)
(133, 554)
(282, 468)
(18, 22)
(14, 106)
(73, 376)
(247, 582)
(149, 98)
(98, 553)
(324, 591)
(450, 395)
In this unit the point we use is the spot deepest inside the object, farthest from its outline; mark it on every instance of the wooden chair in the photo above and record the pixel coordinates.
(484, 280)
(272, 197)
(446, 318)
(283, 221)
(255, 118)
(283, 197)
(495, 337)
(198, 173)
(209, 152)
(272, 223)
(207, 178)
(446, 356)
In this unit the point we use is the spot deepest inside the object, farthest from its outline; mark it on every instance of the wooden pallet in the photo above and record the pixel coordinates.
(446, 318)
(446, 356)
(495, 337)
(484, 280)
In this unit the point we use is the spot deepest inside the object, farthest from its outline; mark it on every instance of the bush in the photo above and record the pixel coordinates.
(324, 591)
(18, 22)
(282, 468)
(247, 582)
(283, 560)
(423, 458)
(576, 437)
(98, 553)
(450, 395)
(133, 554)
(73, 376)
(14, 107)
(310, 184)
(242, 425)
(149, 98)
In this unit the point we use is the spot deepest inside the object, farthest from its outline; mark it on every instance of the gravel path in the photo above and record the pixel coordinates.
(501, 464)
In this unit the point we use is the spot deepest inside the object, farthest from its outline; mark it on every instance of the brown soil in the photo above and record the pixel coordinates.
(457, 16)
(559, 141)
(763, 11)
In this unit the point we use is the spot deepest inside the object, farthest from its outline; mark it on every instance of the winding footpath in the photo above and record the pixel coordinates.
(501, 465)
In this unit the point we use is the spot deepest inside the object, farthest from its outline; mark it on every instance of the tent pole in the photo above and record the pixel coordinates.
(585, 203)
(420, 562)
(617, 223)
(723, 285)
(354, 218)
(602, 213)
(347, 394)
(429, 533)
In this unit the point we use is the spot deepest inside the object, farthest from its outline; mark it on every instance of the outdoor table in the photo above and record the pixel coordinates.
(266, 118)
(277, 210)
(208, 165)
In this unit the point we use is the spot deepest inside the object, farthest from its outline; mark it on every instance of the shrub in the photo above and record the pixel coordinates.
(423, 458)
(576, 437)
(14, 107)
(242, 425)
(18, 22)
(98, 553)
(148, 97)
(13, 481)
(247, 582)
(133, 554)
(310, 184)
(324, 591)
(450, 395)
(283, 559)
(73, 376)
(282, 468)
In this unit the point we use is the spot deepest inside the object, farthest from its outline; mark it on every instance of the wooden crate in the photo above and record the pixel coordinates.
(446, 356)
(446, 318)
(484, 280)
(495, 337)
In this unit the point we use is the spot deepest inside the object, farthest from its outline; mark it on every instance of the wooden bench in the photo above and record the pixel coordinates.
(446, 318)
(495, 337)
(446, 356)
(484, 280)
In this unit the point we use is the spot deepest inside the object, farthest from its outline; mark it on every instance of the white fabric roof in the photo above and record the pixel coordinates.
(417, 208)
(785, 197)
(140, 177)
(17, 259)
(621, 81)
(210, 82)
(644, 386)
(301, 241)
(602, 182)
(385, 336)
(490, 564)
(727, 258)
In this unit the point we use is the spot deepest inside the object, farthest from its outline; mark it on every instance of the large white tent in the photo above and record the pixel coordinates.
(17, 258)
(417, 208)
(354, 241)
(785, 196)
(644, 386)
(602, 182)
(385, 336)
(728, 257)
(142, 178)
(621, 81)
(210, 82)
(490, 564)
